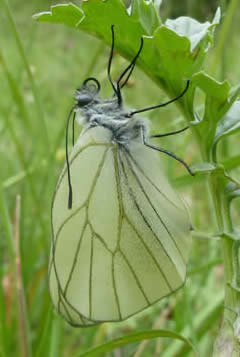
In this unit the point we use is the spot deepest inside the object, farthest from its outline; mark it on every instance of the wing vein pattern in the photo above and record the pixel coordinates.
(120, 248)
(152, 205)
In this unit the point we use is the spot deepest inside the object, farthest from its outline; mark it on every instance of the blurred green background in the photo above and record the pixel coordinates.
(32, 129)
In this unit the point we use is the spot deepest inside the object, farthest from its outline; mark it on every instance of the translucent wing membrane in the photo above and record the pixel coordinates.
(113, 254)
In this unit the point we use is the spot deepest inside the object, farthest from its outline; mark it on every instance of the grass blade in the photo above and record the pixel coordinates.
(28, 71)
(24, 331)
(132, 338)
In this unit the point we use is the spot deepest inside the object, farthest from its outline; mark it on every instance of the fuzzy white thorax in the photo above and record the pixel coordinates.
(108, 114)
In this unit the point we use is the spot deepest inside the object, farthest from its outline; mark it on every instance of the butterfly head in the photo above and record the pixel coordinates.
(88, 92)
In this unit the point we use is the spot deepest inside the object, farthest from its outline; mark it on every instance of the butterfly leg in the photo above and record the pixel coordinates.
(163, 104)
(165, 152)
(170, 133)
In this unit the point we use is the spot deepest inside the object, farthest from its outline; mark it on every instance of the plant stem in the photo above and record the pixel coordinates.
(217, 184)
(202, 322)
(225, 341)
(227, 23)
(28, 71)
(7, 227)
(22, 314)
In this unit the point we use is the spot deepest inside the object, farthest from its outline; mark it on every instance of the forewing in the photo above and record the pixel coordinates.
(86, 237)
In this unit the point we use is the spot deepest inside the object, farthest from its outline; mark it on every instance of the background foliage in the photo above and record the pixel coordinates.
(38, 78)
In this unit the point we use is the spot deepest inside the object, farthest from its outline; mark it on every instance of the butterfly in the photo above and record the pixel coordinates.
(120, 233)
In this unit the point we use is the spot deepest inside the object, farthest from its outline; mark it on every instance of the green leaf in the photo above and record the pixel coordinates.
(232, 190)
(168, 56)
(232, 162)
(146, 13)
(230, 236)
(192, 29)
(132, 338)
(217, 103)
(230, 123)
(67, 14)
(209, 168)
(157, 4)
(203, 168)
(70, 15)
(212, 87)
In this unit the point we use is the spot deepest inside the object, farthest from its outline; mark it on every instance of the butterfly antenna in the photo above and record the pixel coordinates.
(129, 68)
(163, 104)
(67, 160)
(109, 68)
(73, 128)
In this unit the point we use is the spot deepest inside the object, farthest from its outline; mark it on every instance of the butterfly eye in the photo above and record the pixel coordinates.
(83, 99)
(87, 92)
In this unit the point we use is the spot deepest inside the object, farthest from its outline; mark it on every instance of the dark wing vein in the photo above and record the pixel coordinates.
(135, 277)
(60, 294)
(64, 171)
(54, 241)
(115, 288)
(120, 220)
(154, 209)
(147, 224)
(99, 237)
(75, 257)
(90, 279)
(148, 179)
(85, 203)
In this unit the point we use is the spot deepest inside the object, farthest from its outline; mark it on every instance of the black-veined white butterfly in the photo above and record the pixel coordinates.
(121, 236)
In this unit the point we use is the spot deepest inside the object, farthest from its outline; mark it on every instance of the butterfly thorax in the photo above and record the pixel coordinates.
(108, 114)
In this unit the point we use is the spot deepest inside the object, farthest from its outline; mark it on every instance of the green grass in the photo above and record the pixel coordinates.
(37, 89)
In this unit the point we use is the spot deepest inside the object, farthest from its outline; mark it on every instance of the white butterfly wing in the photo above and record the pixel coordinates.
(155, 240)
(125, 242)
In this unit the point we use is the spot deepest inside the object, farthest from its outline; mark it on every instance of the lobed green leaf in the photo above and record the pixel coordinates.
(230, 123)
(172, 52)
(218, 101)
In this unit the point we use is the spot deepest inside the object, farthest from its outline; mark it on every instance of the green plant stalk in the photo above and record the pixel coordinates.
(202, 322)
(220, 200)
(8, 233)
(229, 251)
(217, 183)
(55, 340)
(23, 161)
(43, 343)
(6, 224)
(13, 249)
(232, 9)
(16, 94)
(24, 331)
(224, 223)
(3, 329)
(28, 71)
